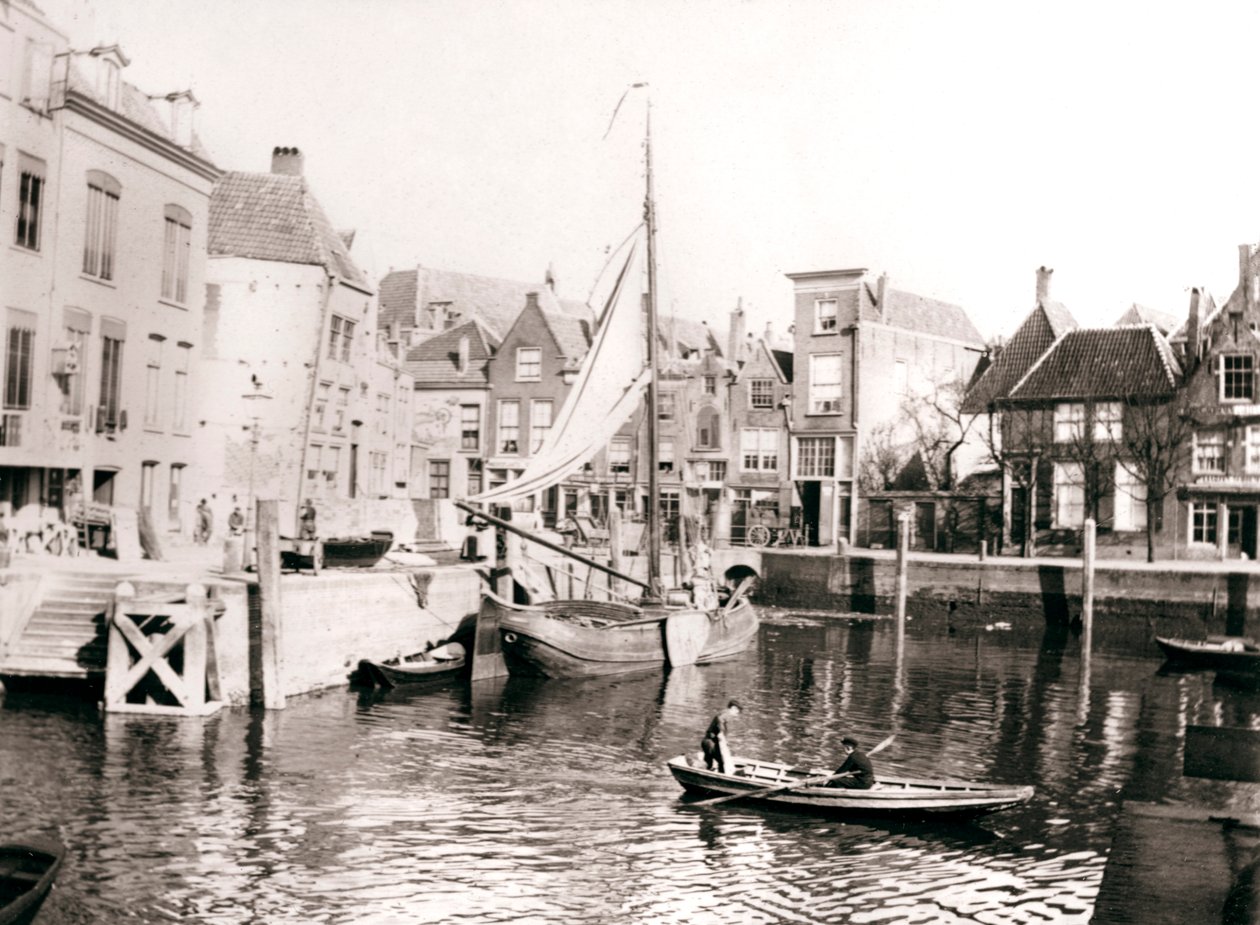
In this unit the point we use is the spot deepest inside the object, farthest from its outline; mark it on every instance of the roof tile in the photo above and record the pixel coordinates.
(1102, 363)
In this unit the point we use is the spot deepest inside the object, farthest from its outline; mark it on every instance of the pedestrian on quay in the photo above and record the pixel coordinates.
(716, 743)
(857, 770)
(236, 522)
(205, 524)
(307, 521)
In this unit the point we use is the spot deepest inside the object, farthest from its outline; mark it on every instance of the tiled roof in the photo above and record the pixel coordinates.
(1208, 310)
(573, 335)
(1140, 314)
(919, 313)
(785, 359)
(1044, 325)
(1102, 363)
(495, 302)
(269, 216)
(682, 335)
(436, 360)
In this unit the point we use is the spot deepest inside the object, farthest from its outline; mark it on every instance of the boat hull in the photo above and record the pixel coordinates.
(384, 675)
(551, 641)
(895, 797)
(27, 871)
(1212, 655)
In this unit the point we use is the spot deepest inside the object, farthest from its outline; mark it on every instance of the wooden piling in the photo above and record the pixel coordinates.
(615, 557)
(1088, 551)
(269, 689)
(903, 566)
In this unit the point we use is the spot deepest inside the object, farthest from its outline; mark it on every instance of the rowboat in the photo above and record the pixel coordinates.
(1222, 653)
(27, 871)
(901, 797)
(577, 638)
(441, 664)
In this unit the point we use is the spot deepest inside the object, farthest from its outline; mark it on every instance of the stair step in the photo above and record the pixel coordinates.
(74, 604)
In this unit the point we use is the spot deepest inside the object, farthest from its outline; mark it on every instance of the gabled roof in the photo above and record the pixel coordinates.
(919, 313)
(1208, 310)
(270, 216)
(780, 360)
(682, 335)
(436, 360)
(1102, 363)
(785, 360)
(573, 335)
(1140, 314)
(495, 302)
(1044, 325)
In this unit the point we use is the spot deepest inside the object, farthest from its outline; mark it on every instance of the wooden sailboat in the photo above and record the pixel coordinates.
(579, 638)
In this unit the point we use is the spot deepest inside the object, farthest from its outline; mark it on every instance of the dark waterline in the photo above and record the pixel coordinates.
(548, 801)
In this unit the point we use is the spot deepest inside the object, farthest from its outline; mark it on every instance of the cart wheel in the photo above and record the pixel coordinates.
(758, 535)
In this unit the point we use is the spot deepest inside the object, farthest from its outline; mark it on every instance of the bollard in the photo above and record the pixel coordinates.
(903, 563)
(984, 549)
(1088, 551)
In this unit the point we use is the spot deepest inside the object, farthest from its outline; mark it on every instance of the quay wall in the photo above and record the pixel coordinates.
(1225, 600)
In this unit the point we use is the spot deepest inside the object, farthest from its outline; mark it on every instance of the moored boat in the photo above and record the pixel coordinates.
(1224, 653)
(901, 797)
(27, 872)
(441, 664)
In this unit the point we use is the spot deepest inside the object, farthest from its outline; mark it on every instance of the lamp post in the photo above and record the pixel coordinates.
(252, 399)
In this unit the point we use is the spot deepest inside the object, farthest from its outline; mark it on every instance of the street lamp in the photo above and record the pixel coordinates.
(253, 400)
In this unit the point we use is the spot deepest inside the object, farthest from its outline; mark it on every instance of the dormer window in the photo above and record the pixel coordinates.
(1237, 377)
(110, 61)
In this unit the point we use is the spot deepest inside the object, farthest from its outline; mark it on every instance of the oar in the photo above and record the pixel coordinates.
(808, 782)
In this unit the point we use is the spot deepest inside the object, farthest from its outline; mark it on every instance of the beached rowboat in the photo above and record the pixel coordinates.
(441, 664)
(891, 796)
(27, 871)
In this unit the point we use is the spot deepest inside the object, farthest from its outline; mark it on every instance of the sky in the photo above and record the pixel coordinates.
(956, 146)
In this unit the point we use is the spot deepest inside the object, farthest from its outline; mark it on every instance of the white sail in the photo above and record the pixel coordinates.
(605, 393)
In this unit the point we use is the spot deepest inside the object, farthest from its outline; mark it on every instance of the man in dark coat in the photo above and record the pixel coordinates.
(716, 744)
(859, 775)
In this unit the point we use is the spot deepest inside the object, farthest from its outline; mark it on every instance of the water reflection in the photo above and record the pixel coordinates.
(522, 800)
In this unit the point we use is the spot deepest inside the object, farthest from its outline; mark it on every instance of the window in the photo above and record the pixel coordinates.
(1252, 462)
(78, 325)
(1069, 495)
(710, 470)
(320, 412)
(1069, 422)
(710, 385)
(619, 455)
(313, 458)
(825, 380)
(474, 476)
(509, 427)
(825, 316)
(19, 355)
(382, 413)
(439, 478)
(665, 455)
(339, 413)
(379, 462)
(182, 353)
(37, 75)
(470, 427)
(759, 449)
(816, 457)
(539, 423)
(1109, 421)
(148, 474)
(340, 338)
(901, 378)
(30, 202)
(761, 393)
(708, 429)
(153, 380)
(174, 495)
(1209, 452)
(332, 467)
(667, 406)
(1237, 379)
(101, 233)
(113, 333)
(176, 246)
(1203, 522)
(528, 364)
(1130, 500)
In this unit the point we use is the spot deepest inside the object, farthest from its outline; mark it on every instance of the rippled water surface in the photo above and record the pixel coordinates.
(548, 801)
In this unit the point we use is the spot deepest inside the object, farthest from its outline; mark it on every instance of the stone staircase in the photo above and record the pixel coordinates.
(66, 637)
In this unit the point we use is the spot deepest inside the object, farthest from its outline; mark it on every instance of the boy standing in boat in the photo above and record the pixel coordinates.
(716, 743)
(859, 775)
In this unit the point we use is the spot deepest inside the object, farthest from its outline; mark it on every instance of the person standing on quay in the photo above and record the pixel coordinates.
(716, 743)
(205, 523)
(307, 521)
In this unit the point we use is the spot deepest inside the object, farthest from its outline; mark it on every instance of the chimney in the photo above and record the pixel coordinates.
(1043, 284)
(1192, 329)
(463, 355)
(1246, 276)
(287, 161)
(182, 107)
(550, 279)
(881, 293)
(737, 332)
(531, 299)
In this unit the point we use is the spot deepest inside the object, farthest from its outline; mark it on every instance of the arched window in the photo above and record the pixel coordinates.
(175, 247)
(101, 223)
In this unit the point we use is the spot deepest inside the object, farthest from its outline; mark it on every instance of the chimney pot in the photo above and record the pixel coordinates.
(287, 161)
(531, 298)
(463, 354)
(1193, 324)
(1043, 284)
(881, 294)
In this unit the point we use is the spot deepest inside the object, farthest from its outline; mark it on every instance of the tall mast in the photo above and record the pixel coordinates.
(654, 488)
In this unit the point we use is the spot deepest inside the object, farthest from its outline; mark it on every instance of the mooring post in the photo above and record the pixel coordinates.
(984, 549)
(270, 638)
(903, 561)
(614, 548)
(117, 660)
(1087, 580)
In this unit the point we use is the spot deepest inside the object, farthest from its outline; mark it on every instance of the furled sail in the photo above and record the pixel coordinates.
(605, 393)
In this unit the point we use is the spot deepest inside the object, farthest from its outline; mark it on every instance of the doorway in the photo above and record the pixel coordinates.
(811, 509)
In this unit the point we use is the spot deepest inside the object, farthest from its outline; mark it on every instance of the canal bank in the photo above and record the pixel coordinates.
(1221, 597)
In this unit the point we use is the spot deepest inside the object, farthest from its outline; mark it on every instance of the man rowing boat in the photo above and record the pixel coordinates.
(859, 775)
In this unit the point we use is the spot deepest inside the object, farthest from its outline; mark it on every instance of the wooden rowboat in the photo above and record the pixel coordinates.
(1221, 653)
(27, 871)
(891, 796)
(441, 664)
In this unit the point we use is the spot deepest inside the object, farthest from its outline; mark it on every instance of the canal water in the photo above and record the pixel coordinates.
(541, 801)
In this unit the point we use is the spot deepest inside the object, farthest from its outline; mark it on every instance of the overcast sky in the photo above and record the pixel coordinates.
(954, 145)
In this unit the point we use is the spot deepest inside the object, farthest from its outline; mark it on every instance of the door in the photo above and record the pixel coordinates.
(811, 503)
(1248, 538)
(925, 525)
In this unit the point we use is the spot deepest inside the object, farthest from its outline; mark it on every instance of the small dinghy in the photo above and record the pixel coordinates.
(798, 788)
(442, 663)
(27, 871)
(1222, 653)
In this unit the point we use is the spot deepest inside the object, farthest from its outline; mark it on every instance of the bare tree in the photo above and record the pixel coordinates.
(939, 427)
(1017, 437)
(1090, 441)
(1154, 439)
(883, 457)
